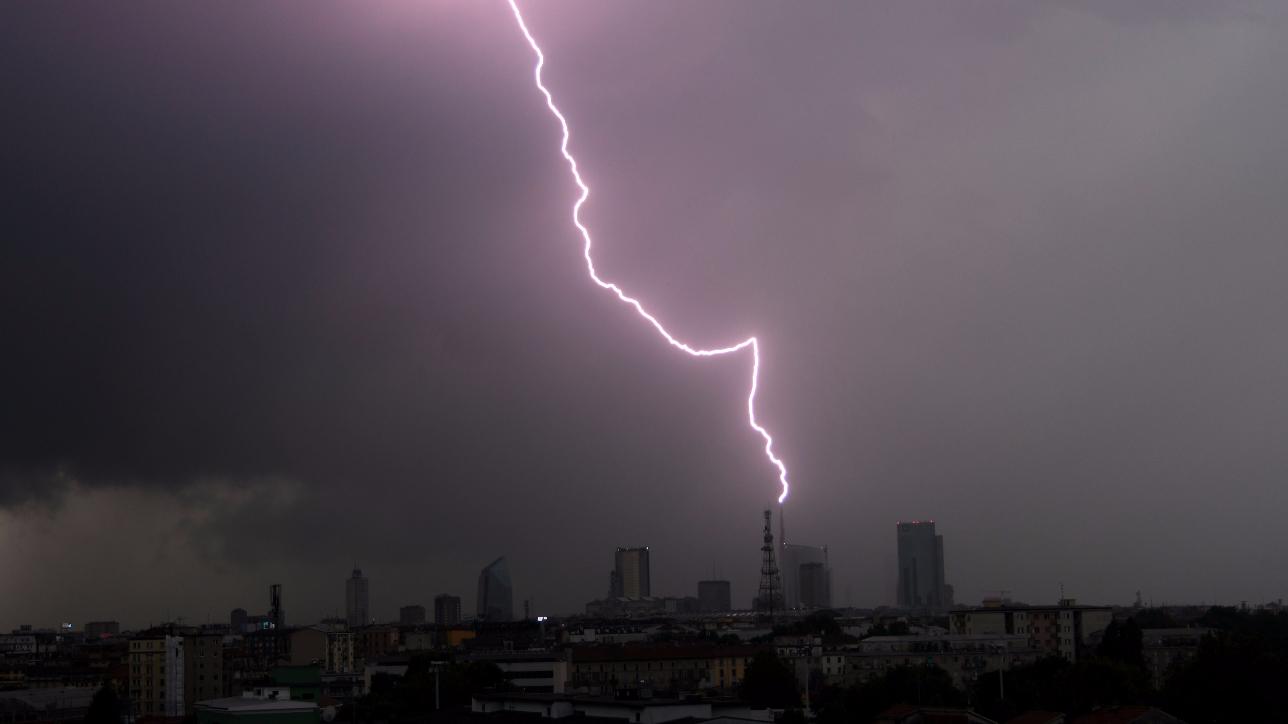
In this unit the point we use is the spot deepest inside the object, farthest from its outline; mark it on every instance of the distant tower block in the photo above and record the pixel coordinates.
(357, 599)
(276, 613)
(770, 597)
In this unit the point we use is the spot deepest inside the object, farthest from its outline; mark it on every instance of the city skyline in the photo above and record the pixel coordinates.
(274, 277)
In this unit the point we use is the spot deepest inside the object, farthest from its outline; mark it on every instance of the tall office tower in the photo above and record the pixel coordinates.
(815, 585)
(411, 615)
(921, 567)
(630, 577)
(276, 614)
(794, 558)
(496, 596)
(238, 620)
(713, 596)
(447, 609)
(357, 600)
(770, 596)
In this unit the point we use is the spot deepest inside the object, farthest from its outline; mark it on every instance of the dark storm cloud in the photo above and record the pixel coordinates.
(304, 276)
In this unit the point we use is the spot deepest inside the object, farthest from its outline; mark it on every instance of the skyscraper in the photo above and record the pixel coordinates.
(814, 585)
(496, 596)
(921, 567)
(357, 610)
(630, 577)
(411, 615)
(276, 613)
(794, 559)
(447, 609)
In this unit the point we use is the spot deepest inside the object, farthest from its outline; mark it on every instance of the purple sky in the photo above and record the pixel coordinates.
(288, 286)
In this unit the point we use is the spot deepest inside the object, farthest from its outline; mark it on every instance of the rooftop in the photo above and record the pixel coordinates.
(654, 653)
(585, 699)
(250, 704)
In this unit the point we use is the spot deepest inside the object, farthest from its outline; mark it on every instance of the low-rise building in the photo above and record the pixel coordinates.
(963, 656)
(18, 645)
(606, 635)
(536, 672)
(1065, 629)
(249, 709)
(373, 642)
(1164, 648)
(678, 669)
(636, 711)
(329, 648)
(102, 629)
(45, 705)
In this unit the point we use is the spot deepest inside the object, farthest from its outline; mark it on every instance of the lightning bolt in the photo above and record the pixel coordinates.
(750, 343)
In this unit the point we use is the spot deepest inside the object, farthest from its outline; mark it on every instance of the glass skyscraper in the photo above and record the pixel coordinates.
(496, 595)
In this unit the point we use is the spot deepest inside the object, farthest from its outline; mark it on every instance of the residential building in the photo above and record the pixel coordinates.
(156, 674)
(1066, 629)
(252, 657)
(101, 629)
(411, 615)
(18, 644)
(714, 596)
(630, 577)
(328, 647)
(963, 656)
(921, 567)
(373, 642)
(615, 634)
(537, 672)
(447, 609)
(495, 594)
(1164, 648)
(203, 669)
(609, 669)
(357, 602)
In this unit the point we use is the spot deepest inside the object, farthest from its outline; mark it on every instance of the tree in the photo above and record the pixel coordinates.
(895, 628)
(1123, 642)
(1055, 684)
(1238, 673)
(819, 623)
(769, 682)
(392, 697)
(1154, 618)
(926, 685)
(105, 707)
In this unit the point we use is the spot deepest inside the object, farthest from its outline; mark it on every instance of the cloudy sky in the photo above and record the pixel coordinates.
(288, 286)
